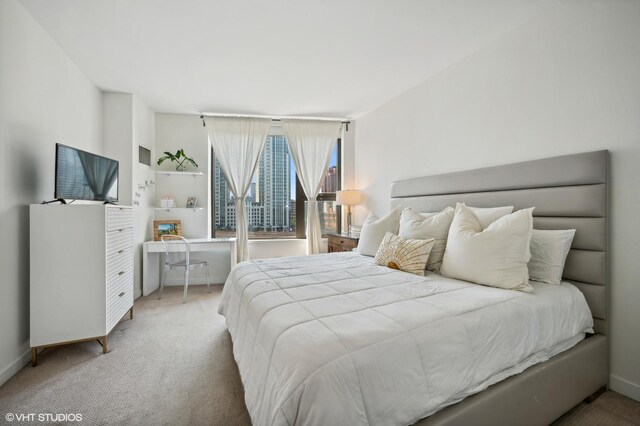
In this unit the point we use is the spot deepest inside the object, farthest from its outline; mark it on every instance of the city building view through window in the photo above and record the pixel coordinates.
(271, 200)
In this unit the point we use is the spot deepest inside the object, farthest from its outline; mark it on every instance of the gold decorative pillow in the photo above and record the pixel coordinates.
(405, 255)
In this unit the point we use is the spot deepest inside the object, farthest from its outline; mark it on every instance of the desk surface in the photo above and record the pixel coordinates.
(152, 250)
(201, 240)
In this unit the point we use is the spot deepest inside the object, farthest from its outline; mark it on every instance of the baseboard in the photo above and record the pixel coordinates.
(17, 365)
(625, 387)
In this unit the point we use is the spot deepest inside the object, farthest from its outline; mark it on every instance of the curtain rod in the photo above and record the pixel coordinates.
(204, 124)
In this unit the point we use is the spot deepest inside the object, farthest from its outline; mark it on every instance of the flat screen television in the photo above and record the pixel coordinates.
(81, 175)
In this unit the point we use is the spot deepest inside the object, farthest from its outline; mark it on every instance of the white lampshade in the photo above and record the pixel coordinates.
(348, 197)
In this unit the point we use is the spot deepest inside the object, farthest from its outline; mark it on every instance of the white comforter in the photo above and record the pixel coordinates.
(336, 340)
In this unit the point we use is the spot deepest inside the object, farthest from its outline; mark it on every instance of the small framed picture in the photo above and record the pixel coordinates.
(191, 202)
(166, 227)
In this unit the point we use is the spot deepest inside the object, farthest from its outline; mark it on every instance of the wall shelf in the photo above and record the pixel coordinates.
(178, 208)
(174, 173)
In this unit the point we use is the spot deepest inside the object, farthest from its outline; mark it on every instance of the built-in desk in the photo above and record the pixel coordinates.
(151, 257)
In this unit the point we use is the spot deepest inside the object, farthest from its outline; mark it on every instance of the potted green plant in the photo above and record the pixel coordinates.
(179, 157)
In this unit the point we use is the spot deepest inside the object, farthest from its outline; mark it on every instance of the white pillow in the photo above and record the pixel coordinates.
(549, 251)
(405, 255)
(496, 256)
(487, 215)
(374, 230)
(422, 226)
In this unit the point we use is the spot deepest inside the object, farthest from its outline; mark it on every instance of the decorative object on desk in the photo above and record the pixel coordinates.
(167, 202)
(179, 157)
(191, 202)
(348, 197)
(166, 227)
(354, 231)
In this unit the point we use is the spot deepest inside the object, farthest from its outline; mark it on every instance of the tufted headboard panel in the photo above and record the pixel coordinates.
(568, 192)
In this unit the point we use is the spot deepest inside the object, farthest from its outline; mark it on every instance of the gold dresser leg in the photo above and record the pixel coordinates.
(131, 313)
(104, 344)
(34, 357)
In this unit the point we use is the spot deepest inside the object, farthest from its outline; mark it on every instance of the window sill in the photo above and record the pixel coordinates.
(275, 240)
(279, 240)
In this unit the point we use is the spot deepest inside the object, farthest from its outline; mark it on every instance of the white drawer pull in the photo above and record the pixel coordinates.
(121, 273)
(120, 251)
(121, 294)
(120, 230)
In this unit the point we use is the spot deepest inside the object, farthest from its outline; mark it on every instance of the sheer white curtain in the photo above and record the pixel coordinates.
(238, 143)
(310, 143)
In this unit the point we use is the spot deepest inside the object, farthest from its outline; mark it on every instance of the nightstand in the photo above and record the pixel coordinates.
(339, 242)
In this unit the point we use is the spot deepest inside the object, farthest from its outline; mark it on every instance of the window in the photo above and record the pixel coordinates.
(275, 201)
(330, 213)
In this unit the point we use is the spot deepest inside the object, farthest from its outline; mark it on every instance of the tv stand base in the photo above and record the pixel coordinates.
(57, 200)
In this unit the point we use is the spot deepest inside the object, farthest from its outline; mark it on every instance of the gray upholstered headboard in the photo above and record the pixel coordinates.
(568, 192)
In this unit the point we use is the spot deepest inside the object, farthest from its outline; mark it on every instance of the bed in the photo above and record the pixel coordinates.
(337, 339)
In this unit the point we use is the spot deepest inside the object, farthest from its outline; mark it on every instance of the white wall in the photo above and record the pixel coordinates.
(44, 99)
(127, 123)
(566, 82)
(117, 131)
(142, 175)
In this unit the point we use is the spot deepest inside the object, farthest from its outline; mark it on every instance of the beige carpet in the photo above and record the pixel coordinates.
(172, 365)
(610, 408)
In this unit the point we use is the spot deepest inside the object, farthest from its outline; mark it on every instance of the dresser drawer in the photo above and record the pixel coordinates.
(119, 240)
(118, 263)
(121, 284)
(118, 306)
(119, 218)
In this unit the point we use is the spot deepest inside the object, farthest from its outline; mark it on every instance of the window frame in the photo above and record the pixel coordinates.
(301, 198)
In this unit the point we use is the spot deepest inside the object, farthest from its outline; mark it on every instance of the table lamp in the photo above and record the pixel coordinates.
(348, 197)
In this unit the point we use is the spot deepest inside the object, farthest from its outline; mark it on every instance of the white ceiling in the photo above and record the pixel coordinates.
(332, 58)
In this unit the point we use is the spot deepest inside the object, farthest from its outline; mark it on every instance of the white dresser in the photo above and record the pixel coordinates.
(81, 272)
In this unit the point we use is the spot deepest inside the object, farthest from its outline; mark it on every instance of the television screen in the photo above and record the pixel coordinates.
(81, 175)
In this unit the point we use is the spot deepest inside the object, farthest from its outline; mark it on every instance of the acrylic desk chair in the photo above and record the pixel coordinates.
(179, 258)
